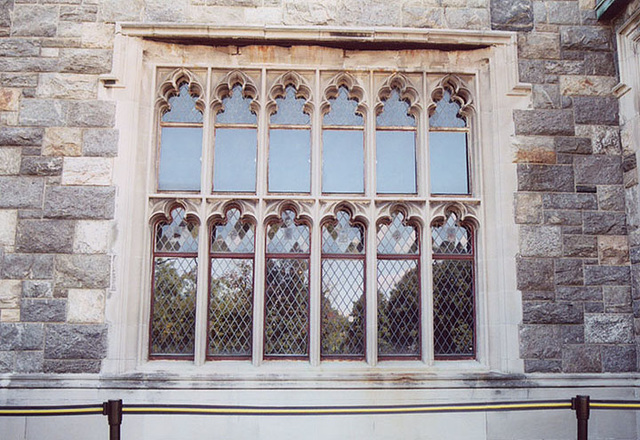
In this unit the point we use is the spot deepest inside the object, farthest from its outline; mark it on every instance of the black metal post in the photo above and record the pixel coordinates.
(113, 410)
(580, 404)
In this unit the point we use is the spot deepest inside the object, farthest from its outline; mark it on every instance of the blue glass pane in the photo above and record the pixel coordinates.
(396, 162)
(234, 164)
(180, 156)
(446, 113)
(235, 109)
(342, 161)
(289, 160)
(182, 108)
(448, 163)
(289, 110)
(394, 113)
(343, 110)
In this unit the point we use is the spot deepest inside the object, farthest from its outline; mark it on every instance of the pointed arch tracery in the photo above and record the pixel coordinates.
(459, 93)
(170, 87)
(225, 88)
(406, 91)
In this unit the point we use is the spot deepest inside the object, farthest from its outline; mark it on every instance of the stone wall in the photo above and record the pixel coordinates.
(57, 144)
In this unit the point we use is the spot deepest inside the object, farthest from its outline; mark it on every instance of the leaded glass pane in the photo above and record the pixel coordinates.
(453, 308)
(180, 156)
(231, 307)
(236, 108)
(343, 307)
(290, 110)
(343, 110)
(447, 113)
(341, 237)
(286, 321)
(448, 163)
(173, 313)
(182, 108)
(397, 238)
(287, 237)
(342, 161)
(396, 162)
(289, 160)
(234, 165)
(234, 236)
(451, 238)
(398, 308)
(395, 112)
(179, 236)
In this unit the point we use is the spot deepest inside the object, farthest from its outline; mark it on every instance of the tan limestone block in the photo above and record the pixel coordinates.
(85, 306)
(97, 35)
(10, 292)
(587, 85)
(613, 250)
(9, 99)
(59, 141)
(10, 315)
(8, 226)
(92, 237)
(10, 161)
(87, 171)
(67, 86)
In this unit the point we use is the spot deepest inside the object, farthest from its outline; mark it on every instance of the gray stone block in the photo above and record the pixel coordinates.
(538, 295)
(599, 64)
(21, 192)
(45, 236)
(611, 198)
(37, 289)
(563, 67)
(19, 47)
(606, 140)
(41, 166)
(595, 110)
(82, 271)
(467, 18)
(71, 366)
(563, 12)
(6, 6)
(535, 274)
(629, 162)
(545, 178)
(575, 145)
(43, 310)
(21, 136)
(587, 38)
(79, 13)
(607, 275)
(579, 293)
(85, 60)
(569, 201)
(598, 170)
(540, 342)
(552, 313)
(92, 114)
(563, 218)
(542, 366)
(593, 307)
(20, 336)
(79, 202)
(546, 96)
(100, 142)
(6, 361)
(610, 328)
(531, 71)
(604, 223)
(581, 359)
(569, 272)
(540, 241)
(65, 341)
(617, 299)
(17, 80)
(29, 361)
(511, 15)
(27, 266)
(619, 359)
(544, 122)
(35, 21)
(43, 112)
(572, 333)
(28, 64)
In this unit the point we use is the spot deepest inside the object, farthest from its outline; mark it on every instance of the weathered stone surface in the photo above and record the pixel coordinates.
(64, 341)
(62, 141)
(546, 96)
(511, 15)
(467, 18)
(605, 223)
(422, 14)
(581, 359)
(67, 86)
(569, 272)
(535, 274)
(100, 142)
(528, 207)
(19, 47)
(542, 366)
(35, 21)
(41, 166)
(551, 313)
(85, 60)
(569, 201)
(21, 192)
(6, 357)
(28, 64)
(563, 12)
(563, 218)
(562, 67)
(540, 342)
(619, 359)
(613, 250)
(43, 112)
(577, 145)
(92, 114)
(581, 85)
(531, 71)
(87, 171)
(539, 45)
(580, 246)
(572, 333)
(45, 236)
(6, 6)
(540, 241)
(17, 79)
(9, 99)
(19, 336)
(161, 11)
(82, 271)
(9, 294)
(79, 13)
(27, 266)
(79, 202)
(545, 178)
(21, 136)
(606, 140)
(37, 289)
(607, 275)
(611, 198)
(608, 328)
(43, 310)
(9, 222)
(544, 122)
(10, 159)
(588, 38)
(617, 299)
(92, 236)
(29, 361)
(595, 110)
(86, 306)
(71, 366)
(538, 295)
(121, 10)
(599, 63)
(598, 170)
(97, 35)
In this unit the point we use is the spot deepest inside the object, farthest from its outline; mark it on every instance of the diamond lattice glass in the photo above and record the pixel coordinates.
(341, 237)
(397, 238)
(179, 236)
(286, 237)
(235, 236)
(451, 238)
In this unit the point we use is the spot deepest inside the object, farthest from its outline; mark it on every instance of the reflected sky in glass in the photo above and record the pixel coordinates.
(235, 109)
(343, 110)
(396, 162)
(342, 161)
(182, 108)
(235, 159)
(180, 156)
(289, 160)
(448, 163)
(394, 112)
(290, 110)
(446, 113)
